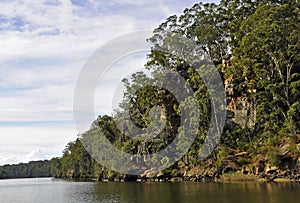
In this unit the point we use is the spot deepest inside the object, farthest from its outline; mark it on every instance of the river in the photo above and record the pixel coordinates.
(49, 190)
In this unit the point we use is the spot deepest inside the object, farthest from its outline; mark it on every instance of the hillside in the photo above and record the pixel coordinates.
(255, 47)
(32, 169)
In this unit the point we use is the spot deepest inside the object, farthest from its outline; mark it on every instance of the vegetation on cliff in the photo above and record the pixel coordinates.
(255, 46)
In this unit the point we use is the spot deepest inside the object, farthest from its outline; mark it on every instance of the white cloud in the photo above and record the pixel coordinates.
(35, 155)
(9, 159)
(109, 86)
(18, 142)
(165, 9)
(77, 45)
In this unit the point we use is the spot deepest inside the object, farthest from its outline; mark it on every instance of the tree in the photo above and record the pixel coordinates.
(268, 53)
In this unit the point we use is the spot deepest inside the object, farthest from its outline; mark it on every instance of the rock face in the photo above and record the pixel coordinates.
(240, 107)
(260, 167)
(288, 170)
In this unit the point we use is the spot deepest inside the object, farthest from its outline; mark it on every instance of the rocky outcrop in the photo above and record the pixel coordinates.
(288, 169)
(235, 167)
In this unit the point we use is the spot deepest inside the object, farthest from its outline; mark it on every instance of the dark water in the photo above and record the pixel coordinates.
(51, 190)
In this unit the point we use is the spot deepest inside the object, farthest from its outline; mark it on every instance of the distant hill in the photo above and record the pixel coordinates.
(32, 169)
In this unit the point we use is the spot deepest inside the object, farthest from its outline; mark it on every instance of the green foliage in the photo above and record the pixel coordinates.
(243, 161)
(76, 162)
(274, 156)
(32, 169)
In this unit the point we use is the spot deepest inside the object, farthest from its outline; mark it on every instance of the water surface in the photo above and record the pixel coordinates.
(55, 190)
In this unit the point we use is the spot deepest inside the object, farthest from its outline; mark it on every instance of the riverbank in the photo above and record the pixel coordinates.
(228, 178)
(229, 170)
(225, 178)
(252, 178)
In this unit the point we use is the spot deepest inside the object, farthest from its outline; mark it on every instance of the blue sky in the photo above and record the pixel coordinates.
(44, 44)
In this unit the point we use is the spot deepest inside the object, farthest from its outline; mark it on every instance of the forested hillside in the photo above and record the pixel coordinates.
(255, 46)
(32, 169)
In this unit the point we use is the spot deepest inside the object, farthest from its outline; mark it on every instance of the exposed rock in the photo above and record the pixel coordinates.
(246, 170)
(259, 167)
(284, 149)
(271, 169)
(176, 179)
(242, 154)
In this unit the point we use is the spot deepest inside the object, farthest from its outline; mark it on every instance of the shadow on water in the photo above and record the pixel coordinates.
(197, 192)
(49, 190)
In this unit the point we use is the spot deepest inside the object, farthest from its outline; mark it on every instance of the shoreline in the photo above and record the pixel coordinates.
(256, 179)
(228, 178)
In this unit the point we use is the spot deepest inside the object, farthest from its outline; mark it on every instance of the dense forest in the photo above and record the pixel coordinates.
(255, 46)
(32, 169)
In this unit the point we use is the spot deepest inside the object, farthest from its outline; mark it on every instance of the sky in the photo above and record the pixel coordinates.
(43, 46)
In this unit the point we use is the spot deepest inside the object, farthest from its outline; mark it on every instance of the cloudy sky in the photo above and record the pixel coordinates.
(43, 46)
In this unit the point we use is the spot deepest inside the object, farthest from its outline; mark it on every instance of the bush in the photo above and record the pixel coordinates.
(274, 157)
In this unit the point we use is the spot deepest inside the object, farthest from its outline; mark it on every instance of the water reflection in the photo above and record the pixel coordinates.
(61, 191)
(198, 192)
